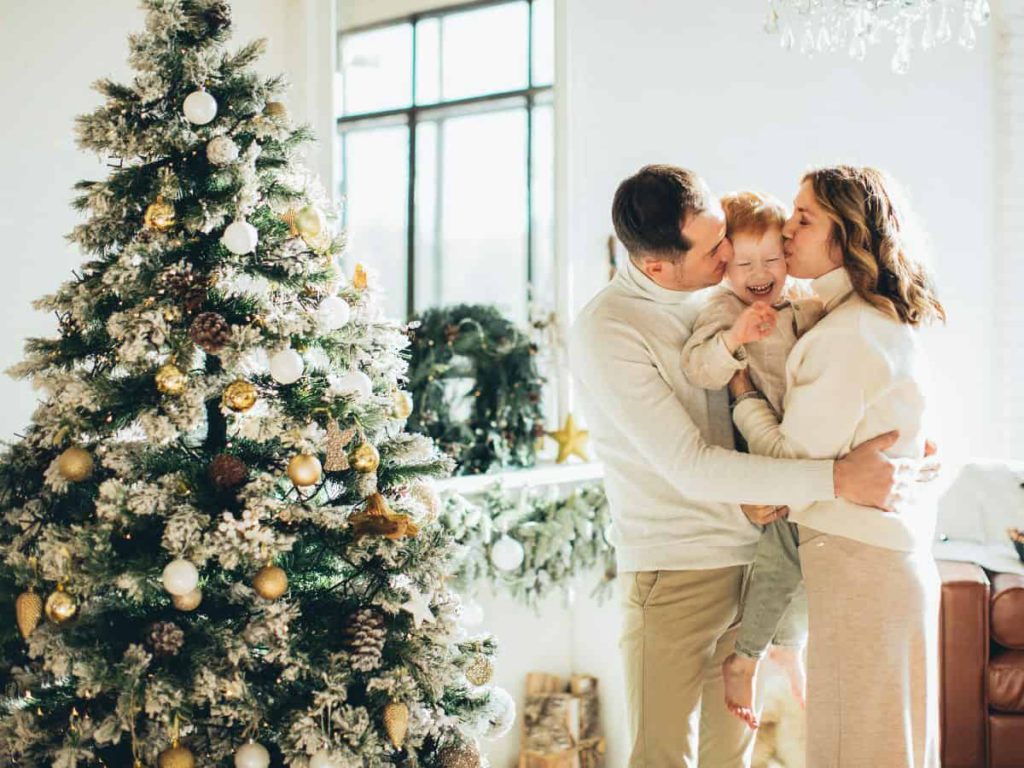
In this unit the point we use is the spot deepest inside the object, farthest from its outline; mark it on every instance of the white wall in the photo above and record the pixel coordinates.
(659, 81)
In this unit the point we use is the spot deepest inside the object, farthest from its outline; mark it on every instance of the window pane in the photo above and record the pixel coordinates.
(544, 206)
(374, 185)
(471, 207)
(543, 42)
(376, 69)
(428, 61)
(484, 51)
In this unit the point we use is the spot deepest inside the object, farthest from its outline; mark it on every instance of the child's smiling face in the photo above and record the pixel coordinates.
(757, 269)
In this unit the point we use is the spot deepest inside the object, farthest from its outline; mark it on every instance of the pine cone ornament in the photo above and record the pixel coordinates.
(210, 332)
(218, 16)
(365, 637)
(228, 471)
(165, 638)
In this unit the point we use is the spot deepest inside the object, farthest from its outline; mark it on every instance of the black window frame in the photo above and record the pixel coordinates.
(410, 117)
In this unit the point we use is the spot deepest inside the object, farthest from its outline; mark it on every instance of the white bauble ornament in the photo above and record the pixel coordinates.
(323, 759)
(180, 577)
(222, 151)
(333, 313)
(355, 383)
(252, 755)
(507, 554)
(471, 614)
(240, 238)
(200, 107)
(286, 366)
(502, 713)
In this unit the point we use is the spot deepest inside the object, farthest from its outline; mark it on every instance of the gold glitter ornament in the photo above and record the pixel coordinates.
(304, 470)
(396, 723)
(359, 280)
(60, 606)
(276, 109)
(28, 609)
(159, 215)
(365, 458)
(461, 756)
(176, 757)
(240, 396)
(337, 460)
(189, 601)
(170, 380)
(75, 464)
(480, 670)
(270, 582)
(401, 404)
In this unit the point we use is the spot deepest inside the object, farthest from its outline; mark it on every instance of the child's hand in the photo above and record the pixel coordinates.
(755, 323)
(763, 515)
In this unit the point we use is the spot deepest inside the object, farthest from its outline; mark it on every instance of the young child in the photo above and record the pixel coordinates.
(752, 321)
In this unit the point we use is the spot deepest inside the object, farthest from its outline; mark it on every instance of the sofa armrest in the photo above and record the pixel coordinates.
(963, 664)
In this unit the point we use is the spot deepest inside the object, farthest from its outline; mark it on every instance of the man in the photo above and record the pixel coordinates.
(674, 483)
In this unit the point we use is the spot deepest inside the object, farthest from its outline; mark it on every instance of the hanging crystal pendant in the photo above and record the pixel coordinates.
(858, 48)
(901, 58)
(824, 42)
(982, 12)
(807, 42)
(945, 31)
(967, 37)
(928, 35)
(788, 39)
(771, 19)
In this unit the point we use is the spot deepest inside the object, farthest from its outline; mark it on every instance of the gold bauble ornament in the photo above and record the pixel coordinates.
(365, 458)
(170, 380)
(159, 215)
(480, 670)
(60, 606)
(28, 609)
(396, 723)
(189, 601)
(276, 109)
(176, 757)
(240, 395)
(401, 404)
(270, 582)
(461, 756)
(304, 470)
(359, 279)
(309, 223)
(75, 464)
(570, 440)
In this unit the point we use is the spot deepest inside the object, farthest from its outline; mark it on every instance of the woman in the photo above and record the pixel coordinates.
(872, 585)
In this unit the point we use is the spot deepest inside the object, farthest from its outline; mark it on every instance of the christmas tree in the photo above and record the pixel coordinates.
(219, 544)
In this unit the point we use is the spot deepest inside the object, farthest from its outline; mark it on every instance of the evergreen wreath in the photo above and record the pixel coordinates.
(477, 342)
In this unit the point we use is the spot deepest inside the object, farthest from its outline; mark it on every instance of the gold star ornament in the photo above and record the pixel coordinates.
(570, 440)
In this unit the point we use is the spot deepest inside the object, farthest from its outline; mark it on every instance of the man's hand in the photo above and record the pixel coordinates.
(762, 515)
(741, 383)
(756, 322)
(868, 477)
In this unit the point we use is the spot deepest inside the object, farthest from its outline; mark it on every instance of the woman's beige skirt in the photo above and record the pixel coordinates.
(872, 655)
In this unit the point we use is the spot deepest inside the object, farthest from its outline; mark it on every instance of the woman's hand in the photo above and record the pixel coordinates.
(763, 515)
(741, 383)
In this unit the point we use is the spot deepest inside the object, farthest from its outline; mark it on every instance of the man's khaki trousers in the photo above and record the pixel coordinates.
(678, 628)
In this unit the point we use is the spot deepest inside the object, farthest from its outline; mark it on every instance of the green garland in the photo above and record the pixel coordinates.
(476, 342)
(561, 537)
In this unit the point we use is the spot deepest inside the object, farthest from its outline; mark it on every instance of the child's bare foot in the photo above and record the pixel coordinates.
(739, 674)
(791, 660)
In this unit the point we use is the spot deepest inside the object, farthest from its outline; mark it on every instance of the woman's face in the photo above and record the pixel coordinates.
(807, 242)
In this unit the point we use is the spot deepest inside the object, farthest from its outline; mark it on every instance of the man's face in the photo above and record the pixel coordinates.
(704, 264)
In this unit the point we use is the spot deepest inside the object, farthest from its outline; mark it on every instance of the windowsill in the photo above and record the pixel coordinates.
(541, 475)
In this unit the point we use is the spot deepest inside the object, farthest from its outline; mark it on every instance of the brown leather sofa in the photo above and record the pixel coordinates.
(982, 666)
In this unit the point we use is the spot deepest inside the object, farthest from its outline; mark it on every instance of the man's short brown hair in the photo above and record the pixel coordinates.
(651, 206)
(751, 213)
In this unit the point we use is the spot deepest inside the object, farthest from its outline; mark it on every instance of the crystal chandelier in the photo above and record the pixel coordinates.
(821, 26)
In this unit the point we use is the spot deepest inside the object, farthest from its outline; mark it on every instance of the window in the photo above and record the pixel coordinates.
(446, 133)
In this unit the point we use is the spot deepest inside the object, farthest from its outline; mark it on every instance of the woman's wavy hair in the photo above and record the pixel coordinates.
(870, 224)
